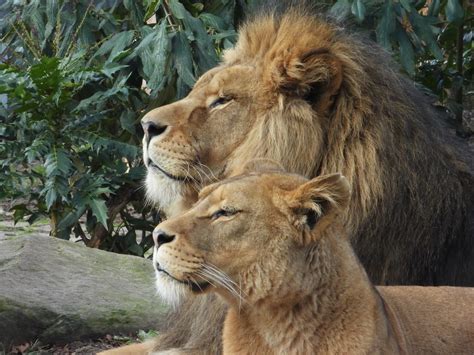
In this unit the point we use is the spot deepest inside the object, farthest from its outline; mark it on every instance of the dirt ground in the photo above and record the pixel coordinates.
(92, 346)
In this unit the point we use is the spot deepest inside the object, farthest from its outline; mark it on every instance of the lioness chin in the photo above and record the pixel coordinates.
(272, 246)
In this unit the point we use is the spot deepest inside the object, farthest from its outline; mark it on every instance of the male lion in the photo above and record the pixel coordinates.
(269, 243)
(302, 91)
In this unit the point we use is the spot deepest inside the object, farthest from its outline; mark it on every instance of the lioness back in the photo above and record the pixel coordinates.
(433, 320)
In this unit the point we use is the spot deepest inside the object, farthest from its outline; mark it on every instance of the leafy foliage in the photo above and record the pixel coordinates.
(71, 93)
(432, 40)
(71, 100)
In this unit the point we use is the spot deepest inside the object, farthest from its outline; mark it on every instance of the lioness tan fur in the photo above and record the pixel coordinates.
(271, 245)
(304, 92)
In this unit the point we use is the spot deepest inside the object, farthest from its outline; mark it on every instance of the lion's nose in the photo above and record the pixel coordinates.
(160, 237)
(152, 129)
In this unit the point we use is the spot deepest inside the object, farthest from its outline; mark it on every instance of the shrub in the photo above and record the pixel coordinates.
(71, 100)
(71, 93)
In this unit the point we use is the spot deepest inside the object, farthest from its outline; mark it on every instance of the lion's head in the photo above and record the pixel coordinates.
(247, 235)
(270, 98)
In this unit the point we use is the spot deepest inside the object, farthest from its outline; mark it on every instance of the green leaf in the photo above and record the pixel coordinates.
(99, 210)
(202, 46)
(100, 143)
(152, 8)
(155, 60)
(111, 67)
(149, 36)
(46, 75)
(422, 28)
(50, 197)
(127, 121)
(386, 25)
(51, 13)
(183, 58)
(358, 10)
(407, 54)
(213, 21)
(177, 9)
(115, 45)
(136, 12)
(72, 217)
(433, 9)
(135, 249)
(454, 12)
(340, 9)
(57, 162)
(55, 187)
(85, 121)
(406, 5)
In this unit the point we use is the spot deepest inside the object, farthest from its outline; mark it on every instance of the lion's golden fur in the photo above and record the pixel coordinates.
(282, 262)
(316, 99)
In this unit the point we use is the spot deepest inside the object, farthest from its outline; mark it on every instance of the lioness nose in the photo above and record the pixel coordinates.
(160, 237)
(152, 129)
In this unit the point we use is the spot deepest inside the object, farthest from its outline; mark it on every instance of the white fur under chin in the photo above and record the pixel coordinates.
(161, 190)
(170, 291)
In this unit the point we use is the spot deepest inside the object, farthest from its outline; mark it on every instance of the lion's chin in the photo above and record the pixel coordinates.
(171, 291)
(164, 192)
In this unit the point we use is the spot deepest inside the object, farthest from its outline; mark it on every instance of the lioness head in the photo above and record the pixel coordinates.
(247, 237)
(270, 98)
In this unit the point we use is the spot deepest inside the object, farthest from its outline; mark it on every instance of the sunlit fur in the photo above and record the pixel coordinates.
(293, 284)
(318, 99)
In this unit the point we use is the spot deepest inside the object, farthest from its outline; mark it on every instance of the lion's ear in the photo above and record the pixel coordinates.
(315, 203)
(258, 165)
(314, 75)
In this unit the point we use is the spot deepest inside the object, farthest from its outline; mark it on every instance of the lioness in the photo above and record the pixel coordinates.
(272, 246)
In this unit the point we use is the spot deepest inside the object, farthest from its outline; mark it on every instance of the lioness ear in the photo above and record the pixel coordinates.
(315, 203)
(260, 165)
(314, 75)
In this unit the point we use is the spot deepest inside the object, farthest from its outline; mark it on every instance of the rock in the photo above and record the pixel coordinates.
(55, 290)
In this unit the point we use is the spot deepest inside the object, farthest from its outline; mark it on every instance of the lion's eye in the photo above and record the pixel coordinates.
(219, 101)
(223, 213)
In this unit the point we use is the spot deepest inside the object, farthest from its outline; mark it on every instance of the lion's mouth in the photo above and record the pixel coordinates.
(195, 286)
(154, 166)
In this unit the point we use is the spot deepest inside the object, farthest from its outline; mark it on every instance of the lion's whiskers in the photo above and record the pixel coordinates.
(221, 278)
(192, 280)
(212, 177)
(206, 278)
(196, 185)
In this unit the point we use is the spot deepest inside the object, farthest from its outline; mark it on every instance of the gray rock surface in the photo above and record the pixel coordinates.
(55, 290)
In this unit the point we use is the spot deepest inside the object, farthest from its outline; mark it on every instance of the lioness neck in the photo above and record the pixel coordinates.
(339, 313)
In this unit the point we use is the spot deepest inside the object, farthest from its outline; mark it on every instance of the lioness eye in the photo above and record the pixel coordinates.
(219, 101)
(223, 213)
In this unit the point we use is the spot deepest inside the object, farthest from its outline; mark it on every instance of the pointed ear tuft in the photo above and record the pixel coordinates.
(316, 202)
